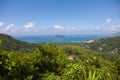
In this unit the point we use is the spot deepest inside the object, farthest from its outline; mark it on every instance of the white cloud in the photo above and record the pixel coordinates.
(1, 24)
(29, 25)
(84, 28)
(98, 28)
(10, 27)
(108, 20)
(73, 29)
(59, 27)
(115, 28)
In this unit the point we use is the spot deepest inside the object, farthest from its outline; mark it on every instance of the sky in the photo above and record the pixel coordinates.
(45, 17)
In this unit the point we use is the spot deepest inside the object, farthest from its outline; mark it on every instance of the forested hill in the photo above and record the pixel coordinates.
(11, 44)
(54, 62)
(111, 45)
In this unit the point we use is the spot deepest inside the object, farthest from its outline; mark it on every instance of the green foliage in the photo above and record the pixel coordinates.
(11, 44)
(50, 62)
(111, 45)
(117, 63)
(1, 41)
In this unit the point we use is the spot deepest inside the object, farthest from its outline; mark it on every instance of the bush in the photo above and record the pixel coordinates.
(50, 62)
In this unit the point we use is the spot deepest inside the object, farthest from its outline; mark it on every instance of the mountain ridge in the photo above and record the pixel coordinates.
(9, 43)
(111, 45)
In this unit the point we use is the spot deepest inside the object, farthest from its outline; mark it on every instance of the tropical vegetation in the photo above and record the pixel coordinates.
(50, 62)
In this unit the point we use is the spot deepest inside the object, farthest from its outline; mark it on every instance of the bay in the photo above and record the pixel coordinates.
(66, 38)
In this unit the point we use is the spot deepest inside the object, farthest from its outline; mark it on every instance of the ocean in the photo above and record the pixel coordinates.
(66, 39)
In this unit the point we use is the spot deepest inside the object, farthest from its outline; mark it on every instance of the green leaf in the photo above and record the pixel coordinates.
(0, 62)
(1, 41)
(13, 64)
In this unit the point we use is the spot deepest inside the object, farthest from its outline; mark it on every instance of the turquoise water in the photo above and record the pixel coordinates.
(68, 38)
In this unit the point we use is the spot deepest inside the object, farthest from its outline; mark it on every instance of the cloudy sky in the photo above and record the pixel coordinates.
(43, 17)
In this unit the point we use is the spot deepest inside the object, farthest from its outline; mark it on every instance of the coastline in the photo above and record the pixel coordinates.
(65, 39)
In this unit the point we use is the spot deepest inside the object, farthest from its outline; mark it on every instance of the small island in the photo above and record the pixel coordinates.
(58, 36)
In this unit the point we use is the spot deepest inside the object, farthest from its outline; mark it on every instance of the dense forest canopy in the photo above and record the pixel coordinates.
(50, 61)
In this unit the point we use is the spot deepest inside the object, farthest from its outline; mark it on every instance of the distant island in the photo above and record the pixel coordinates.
(58, 36)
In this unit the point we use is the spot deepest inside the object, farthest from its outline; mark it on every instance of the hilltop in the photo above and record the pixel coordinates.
(11, 44)
(111, 45)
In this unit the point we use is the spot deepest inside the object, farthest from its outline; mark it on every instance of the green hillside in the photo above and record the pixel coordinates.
(53, 62)
(49, 61)
(111, 45)
(11, 44)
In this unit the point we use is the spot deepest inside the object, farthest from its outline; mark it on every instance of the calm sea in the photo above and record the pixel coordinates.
(68, 38)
